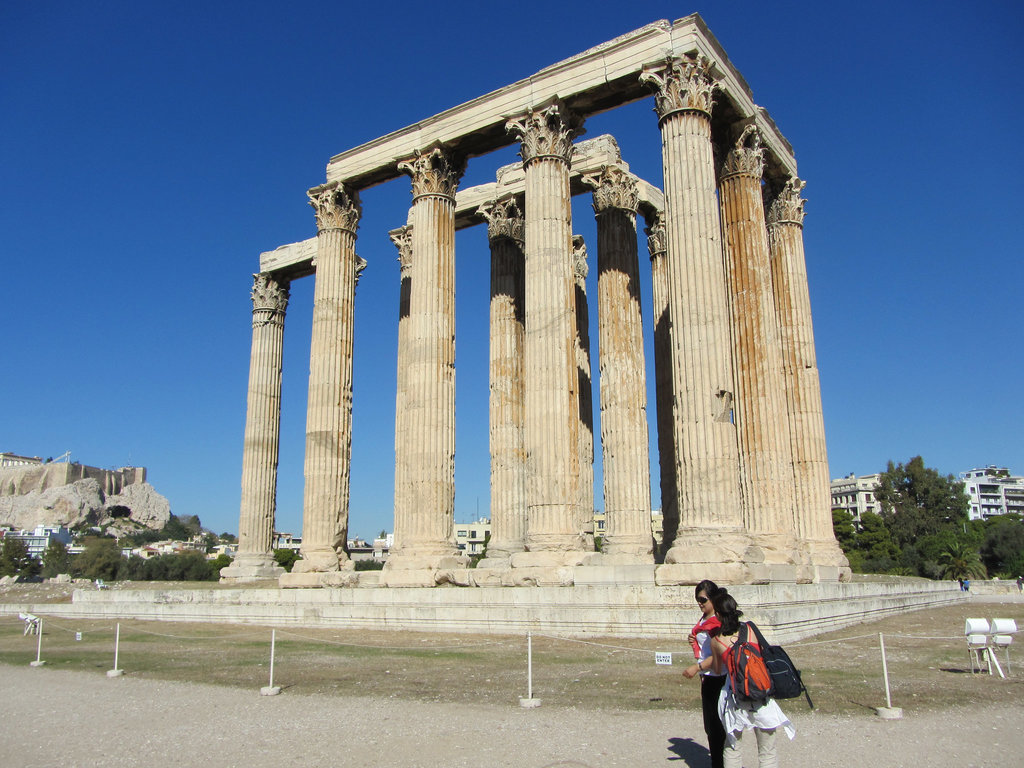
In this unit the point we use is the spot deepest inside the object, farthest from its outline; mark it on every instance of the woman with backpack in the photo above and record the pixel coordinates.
(711, 682)
(738, 714)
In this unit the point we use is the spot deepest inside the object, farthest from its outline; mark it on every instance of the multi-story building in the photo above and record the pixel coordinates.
(38, 540)
(856, 495)
(993, 491)
(471, 538)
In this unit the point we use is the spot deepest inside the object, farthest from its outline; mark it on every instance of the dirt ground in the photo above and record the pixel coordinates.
(190, 694)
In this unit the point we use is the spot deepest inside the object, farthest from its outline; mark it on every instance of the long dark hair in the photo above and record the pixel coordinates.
(728, 612)
(707, 586)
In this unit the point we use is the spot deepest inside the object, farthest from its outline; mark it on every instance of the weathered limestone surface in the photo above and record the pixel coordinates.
(626, 461)
(585, 507)
(404, 500)
(764, 452)
(505, 230)
(663, 384)
(255, 559)
(705, 437)
(424, 528)
(812, 498)
(552, 399)
(329, 406)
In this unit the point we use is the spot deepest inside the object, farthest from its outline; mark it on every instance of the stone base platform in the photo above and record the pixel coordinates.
(786, 612)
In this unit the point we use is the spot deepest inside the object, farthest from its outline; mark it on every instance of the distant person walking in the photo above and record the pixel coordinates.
(711, 682)
(1020, 583)
(739, 716)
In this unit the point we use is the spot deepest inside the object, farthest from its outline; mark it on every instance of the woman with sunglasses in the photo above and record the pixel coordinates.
(711, 682)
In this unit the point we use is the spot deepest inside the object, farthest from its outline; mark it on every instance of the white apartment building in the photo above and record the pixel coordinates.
(993, 491)
(856, 495)
(38, 540)
(471, 537)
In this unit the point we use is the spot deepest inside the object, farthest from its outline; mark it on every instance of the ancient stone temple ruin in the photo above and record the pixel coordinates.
(743, 470)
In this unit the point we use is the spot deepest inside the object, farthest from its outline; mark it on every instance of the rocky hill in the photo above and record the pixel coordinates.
(83, 502)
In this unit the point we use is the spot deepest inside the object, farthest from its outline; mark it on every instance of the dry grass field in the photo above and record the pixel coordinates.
(929, 667)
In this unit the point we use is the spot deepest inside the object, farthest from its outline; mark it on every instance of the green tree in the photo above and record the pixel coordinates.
(961, 561)
(917, 501)
(15, 559)
(100, 559)
(286, 558)
(1002, 550)
(842, 526)
(228, 538)
(56, 559)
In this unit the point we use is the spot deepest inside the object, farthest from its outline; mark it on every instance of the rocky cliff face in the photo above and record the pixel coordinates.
(84, 502)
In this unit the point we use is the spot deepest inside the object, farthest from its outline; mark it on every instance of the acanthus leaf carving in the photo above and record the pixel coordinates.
(788, 205)
(547, 132)
(360, 266)
(746, 157)
(504, 219)
(434, 172)
(269, 298)
(681, 84)
(579, 258)
(402, 238)
(336, 206)
(614, 188)
(657, 243)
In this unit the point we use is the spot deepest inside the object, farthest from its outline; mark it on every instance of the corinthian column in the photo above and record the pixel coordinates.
(507, 403)
(812, 498)
(765, 462)
(552, 396)
(329, 408)
(402, 238)
(626, 461)
(255, 559)
(424, 524)
(710, 524)
(585, 521)
(663, 384)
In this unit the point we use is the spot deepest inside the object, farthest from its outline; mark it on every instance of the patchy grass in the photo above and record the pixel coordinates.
(929, 668)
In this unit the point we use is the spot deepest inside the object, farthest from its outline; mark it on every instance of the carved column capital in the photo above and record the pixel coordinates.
(434, 172)
(402, 238)
(614, 188)
(681, 84)
(788, 205)
(579, 258)
(269, 294)
(504, 220)
(746, 157)
(657, 242)
(336, 207)
(360, 266)
(547, 132)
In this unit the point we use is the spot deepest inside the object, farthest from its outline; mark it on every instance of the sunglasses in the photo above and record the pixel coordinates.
(702, 600)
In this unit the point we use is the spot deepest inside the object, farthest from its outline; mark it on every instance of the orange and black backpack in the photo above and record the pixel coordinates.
(748, 674)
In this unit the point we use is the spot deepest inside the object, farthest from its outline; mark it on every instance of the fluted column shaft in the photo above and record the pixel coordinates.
(329, 407)
(262, 422)
(425, 527)
(507, 395)
(626, 458)
(813, 501)
(402, 238)
(552, 397)
(705, 438)
(585, 520)
(663, 384)
(763, 429)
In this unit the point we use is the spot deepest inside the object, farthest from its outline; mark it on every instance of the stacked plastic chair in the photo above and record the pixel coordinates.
(1001, 636)
(976, 631)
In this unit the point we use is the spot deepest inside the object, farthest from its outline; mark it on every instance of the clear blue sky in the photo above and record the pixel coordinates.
(149, 152)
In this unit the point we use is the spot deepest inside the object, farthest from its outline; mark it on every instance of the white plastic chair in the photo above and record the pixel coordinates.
(976, 631)
(1002, 636)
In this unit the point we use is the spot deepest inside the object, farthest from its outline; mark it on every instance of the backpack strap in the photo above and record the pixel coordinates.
(757, 633)
(741, 636)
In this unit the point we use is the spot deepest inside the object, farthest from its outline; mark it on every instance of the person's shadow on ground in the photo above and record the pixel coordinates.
(689, 751)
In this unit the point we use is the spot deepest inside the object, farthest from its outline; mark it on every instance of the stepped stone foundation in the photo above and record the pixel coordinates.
(740, 434)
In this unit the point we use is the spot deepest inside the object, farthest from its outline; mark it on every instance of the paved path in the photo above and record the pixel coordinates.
(60, 718)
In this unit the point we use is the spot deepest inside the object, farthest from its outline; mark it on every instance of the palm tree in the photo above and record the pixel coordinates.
(961, 561)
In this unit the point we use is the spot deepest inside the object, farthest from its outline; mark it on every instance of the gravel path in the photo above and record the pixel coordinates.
(61, 718)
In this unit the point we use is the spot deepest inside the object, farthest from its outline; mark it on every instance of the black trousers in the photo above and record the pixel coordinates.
(710, 688)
